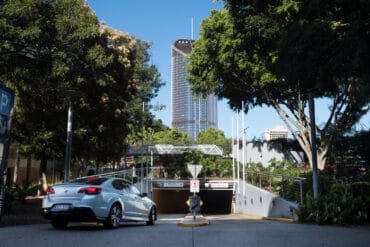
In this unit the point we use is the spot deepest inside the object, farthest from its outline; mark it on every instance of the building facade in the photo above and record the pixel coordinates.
(188, 113)
(265, 152)
(278, 132)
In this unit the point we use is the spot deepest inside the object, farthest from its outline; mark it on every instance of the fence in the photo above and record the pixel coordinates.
(287, 187)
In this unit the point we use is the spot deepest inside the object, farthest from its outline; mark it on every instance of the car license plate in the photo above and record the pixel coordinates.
(61, 207)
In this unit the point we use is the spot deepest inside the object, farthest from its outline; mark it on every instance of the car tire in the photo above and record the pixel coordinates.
(59, 223)
(152, 217)
(114, 218)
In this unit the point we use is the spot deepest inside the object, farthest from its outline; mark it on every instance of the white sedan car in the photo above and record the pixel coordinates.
(94, 199)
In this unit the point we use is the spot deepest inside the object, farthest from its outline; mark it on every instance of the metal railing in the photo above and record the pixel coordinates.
(287, 187)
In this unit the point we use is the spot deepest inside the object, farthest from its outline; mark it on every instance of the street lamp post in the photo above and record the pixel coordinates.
(69, 142)
(315, 181)
(71, 94)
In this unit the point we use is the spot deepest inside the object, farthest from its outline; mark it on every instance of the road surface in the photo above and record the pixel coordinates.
(223, 230)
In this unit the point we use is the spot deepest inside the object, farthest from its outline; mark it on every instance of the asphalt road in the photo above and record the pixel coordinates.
(223, 230)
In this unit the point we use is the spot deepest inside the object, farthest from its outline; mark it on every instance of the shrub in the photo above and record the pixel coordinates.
(19, 193)
(345, 203)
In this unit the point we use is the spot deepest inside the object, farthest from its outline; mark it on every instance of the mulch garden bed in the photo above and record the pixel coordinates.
(26, 213)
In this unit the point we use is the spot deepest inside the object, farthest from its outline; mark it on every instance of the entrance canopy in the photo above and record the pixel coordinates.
(161, 149)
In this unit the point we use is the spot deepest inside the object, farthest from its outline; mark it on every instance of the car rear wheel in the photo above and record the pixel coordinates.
(152, 216)
(114, 217)
(59, 222)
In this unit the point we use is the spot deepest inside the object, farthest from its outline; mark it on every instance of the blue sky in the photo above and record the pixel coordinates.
(161, 22)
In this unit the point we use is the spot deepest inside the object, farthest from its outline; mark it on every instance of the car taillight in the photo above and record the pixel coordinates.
(90, 190)
(49, 191)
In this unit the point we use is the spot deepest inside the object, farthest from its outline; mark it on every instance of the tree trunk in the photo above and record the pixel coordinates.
(305, 143)
(42, 174)
(28, 169)
(16, 168)
(321, 157)
(97, 167)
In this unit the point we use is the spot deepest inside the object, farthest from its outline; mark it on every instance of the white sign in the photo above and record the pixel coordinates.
(194, 185)
(195, 170)
(173, 184)
(217, 185)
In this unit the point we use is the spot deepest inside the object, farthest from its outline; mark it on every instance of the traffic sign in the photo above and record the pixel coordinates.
(195, 170)
(6, 101)
(6, 104)
(194, 185)
(188, 202)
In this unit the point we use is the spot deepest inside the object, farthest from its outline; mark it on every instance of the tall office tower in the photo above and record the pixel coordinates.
(189, 114)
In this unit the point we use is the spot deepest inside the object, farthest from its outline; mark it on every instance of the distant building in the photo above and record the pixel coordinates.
(188, 113)
(278, 132)
(264, 152)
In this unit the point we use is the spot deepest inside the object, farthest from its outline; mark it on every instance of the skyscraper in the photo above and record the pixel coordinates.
(188, 113)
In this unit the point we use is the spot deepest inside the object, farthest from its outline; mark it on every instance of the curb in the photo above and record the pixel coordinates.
(255, 217)
(188, 221)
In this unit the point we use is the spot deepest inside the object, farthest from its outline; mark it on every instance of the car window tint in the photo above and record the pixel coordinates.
(126, 188)
(118, 184)
(92, 181)
(134, 190)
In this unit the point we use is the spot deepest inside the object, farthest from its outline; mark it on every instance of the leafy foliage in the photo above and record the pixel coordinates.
(49, 49)
(278, 53)
(351, 149)
(176, 166)
(345, 203)
(172, 136)
(215, 137)
(19, 193)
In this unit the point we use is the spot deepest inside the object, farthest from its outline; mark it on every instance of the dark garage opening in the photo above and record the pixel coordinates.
(174, 201)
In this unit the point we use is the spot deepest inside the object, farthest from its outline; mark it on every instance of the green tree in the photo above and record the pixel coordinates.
(43, 50)
(147, 80)
(216, 137)
(172, 136)
(351, 149)
(51, 47)
(278, 53)
(101, 115)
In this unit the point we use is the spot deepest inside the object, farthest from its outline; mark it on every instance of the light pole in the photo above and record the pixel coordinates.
(142, 151)
(70, 94)
(311, 105)
(69, 142)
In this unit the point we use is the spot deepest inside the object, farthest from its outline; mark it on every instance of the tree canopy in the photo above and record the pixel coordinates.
(216, 137)
(172, 136)
(49, 49)
(277, 53)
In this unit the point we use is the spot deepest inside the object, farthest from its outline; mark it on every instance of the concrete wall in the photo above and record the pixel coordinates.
(17, 170)
(259, 202)
(264, 152)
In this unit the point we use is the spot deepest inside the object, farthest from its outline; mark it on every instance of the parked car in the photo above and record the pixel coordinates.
(95, 199)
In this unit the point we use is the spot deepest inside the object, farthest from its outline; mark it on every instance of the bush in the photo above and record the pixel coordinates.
(19, 193)
(345, 203)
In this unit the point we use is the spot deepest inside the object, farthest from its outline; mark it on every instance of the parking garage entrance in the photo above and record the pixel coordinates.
(171, 195)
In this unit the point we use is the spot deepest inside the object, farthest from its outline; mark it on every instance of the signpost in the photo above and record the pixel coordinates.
(194, 201)
(195, 170)
(194, 185)
(6, 105)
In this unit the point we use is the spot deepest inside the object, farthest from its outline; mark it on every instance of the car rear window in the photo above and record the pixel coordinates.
(92, 181)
